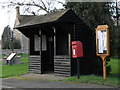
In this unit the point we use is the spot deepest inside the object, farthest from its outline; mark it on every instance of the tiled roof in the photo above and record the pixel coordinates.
(28, 20)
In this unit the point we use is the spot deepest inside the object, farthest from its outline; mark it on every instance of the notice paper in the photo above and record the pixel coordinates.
(102, 45)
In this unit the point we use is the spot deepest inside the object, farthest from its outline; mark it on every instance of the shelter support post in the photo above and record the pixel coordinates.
(78, 68)
(54, 40)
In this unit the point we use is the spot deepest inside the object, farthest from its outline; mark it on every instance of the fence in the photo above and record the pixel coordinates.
(19, 51)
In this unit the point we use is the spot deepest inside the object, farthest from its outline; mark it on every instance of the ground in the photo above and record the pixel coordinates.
(12, 78)
(44, 81)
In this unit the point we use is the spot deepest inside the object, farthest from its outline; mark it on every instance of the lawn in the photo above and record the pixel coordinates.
(0, 56)
(111, 80)
(15, 70)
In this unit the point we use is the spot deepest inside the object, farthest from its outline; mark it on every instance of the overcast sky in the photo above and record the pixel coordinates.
(8, 15)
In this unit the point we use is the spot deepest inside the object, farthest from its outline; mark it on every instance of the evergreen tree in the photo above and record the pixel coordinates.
(8, 41)
(94, 14)
(97, 13)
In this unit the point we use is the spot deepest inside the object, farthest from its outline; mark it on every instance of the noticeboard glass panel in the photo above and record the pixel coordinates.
(102, 42)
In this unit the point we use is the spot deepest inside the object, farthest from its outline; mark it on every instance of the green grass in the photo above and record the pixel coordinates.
(0, 56)
(15, 70)
(111, 81)
(24, 55)
(1, 62)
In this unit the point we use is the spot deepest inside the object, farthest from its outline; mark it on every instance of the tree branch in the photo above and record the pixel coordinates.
(46, 6)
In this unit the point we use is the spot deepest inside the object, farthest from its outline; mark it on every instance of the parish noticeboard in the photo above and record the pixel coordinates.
(102, 40)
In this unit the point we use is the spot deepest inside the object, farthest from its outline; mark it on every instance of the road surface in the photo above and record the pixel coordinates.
(21, 83)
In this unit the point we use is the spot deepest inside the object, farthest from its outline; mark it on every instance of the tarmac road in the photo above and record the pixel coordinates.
(20, 83)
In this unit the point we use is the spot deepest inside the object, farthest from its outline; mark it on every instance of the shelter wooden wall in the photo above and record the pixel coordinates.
(65, 65)
(81, 32)
(35, 64)
(62, 55)
(62, 65)
(34, 56)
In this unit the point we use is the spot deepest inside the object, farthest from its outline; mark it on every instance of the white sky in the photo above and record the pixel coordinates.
(8, 18)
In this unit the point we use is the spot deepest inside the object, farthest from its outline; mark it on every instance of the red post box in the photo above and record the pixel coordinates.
(77, 49)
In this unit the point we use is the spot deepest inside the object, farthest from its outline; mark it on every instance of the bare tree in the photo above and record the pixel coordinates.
(28, 5)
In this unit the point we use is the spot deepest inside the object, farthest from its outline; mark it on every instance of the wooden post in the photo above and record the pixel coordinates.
(104, 67)
(78, 68)
(69, 44)
(54, 40)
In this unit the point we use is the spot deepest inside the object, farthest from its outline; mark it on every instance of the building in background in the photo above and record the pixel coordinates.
(18, 35)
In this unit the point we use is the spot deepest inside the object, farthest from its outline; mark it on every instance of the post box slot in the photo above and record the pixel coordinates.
(74, 51)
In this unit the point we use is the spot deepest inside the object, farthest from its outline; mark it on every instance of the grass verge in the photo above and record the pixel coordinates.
(15, 70)
(110, 81)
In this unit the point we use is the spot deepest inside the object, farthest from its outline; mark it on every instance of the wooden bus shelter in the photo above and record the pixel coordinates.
(50, 38)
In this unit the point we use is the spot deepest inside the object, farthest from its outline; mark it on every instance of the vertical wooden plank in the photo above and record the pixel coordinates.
(108, 42)
(29, 53)
(40, 46)
(69, 44)
(40, 50)
(41, 32)
(29, 47)
(54, 40)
